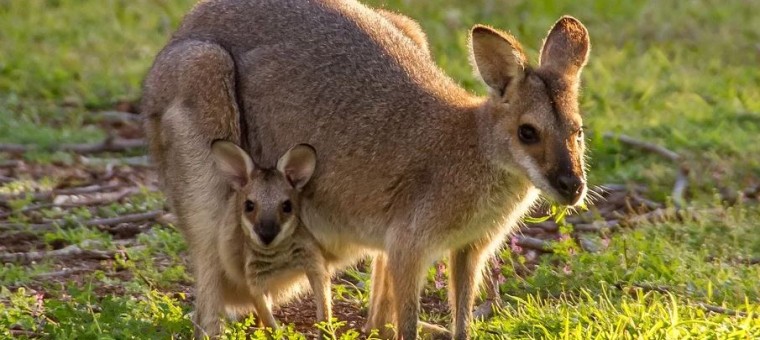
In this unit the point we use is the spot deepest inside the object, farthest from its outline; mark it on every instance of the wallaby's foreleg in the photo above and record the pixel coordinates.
(466, 271)
(320, 285)
(263, 306)
(406, 266)
(381, 310)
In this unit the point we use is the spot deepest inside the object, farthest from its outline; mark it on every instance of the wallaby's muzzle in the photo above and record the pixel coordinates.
(570, 187)
(267, 231)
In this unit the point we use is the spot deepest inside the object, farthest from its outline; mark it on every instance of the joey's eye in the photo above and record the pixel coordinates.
(287, 207)
(249, 206)
(527, 134)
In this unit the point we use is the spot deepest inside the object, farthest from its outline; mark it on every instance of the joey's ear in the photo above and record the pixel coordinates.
(232, 162)
(497, 56)
(297, 164)
(566, 47)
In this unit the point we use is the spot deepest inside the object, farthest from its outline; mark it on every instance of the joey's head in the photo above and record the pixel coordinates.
(267, 200)
(533, 123)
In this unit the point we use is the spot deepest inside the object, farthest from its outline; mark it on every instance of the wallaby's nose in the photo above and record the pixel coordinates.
(268, 231)
(570, 187)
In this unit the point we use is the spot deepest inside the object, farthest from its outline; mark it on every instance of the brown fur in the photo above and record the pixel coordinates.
(411, 165)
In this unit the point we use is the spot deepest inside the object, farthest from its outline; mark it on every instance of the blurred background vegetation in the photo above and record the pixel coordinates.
(681, 74)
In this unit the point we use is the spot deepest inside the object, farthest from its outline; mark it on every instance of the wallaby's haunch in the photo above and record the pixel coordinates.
(262, 217)
(410, 164)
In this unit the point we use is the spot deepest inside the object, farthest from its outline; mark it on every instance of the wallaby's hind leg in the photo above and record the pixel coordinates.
(189, 103)
(201, 77)
(381, 310)
(209, 305)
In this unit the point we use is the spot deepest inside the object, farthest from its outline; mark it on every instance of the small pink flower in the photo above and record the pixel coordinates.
(39, 305)
(571, 251)
(567, 270)
(606, 242)
(513, 245)
(440, 278)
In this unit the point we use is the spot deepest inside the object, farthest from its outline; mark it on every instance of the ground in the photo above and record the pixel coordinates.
(88, 250)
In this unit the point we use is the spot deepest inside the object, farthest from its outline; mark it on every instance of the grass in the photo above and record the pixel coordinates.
(680, 74)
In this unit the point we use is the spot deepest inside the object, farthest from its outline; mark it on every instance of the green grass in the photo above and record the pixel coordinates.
(680, 74)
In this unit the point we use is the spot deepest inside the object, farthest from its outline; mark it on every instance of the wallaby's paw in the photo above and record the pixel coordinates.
(434, 332)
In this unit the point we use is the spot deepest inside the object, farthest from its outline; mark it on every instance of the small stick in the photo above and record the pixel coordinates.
(108, 145)
(66, 252)
(51, 226)
(39, 196)
(682, 179)
(533, 243)
(106, 198)
(679, 188)
(59, 273)
(660, 150)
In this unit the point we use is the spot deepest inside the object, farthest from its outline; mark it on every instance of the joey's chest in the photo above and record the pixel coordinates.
(287, 259)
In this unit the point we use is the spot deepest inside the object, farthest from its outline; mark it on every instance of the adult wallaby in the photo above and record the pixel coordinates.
(264, 250)
(410, 164)
(189, 102)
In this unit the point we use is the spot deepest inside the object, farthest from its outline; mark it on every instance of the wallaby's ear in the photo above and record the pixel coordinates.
(566, 47)
(497, 56)
(232, 162)
(297, 164)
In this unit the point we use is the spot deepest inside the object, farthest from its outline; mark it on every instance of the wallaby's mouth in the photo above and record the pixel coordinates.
(570, 189)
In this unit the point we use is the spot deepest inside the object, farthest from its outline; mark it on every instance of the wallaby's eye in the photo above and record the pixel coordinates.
(527, 134)
(249, 206)
(287, 207)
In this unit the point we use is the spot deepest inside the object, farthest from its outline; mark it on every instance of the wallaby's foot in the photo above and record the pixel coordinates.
(433, 332)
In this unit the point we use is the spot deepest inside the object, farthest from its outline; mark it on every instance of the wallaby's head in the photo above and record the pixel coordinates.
(266, 199)
(535, 125)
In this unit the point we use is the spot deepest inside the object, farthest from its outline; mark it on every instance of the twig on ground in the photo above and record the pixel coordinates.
(597, 226)
(66, 252)
(108, 145)
(103, 199)
(533, 243)
(118, 117)
(721, 310)
(682, 179)
(660, 150)
(141, 161)
(39, 196)
(680, 186)
(51, 226)
(736, 260)
(59, 273)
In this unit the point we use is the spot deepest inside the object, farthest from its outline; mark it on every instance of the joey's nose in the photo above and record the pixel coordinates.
(268, 232)
(570, 187)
